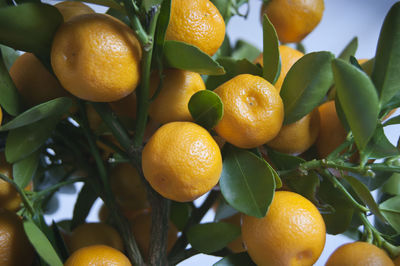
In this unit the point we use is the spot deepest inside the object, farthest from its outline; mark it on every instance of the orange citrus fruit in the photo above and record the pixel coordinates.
(293, 19)
(288, 56)
(182, 161)
(359, 254)
(196, 22)
(1, 115)
(253, 111)
(96, 57)
(397, 261)
(172, 101)
(292, 232)
(98, 255)
(70, 9)
(15, 248)
(297, 137)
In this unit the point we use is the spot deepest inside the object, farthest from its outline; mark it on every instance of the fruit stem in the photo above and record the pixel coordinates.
(132, 12)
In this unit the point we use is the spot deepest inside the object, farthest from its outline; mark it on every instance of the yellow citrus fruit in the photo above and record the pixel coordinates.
(293, 19)
(141, 229)
(288, 56)
(90, 234)
(359, 254)
(99, 255)
(128, 188)
(196, 22)
(172, 101)
(182, 161)
(292, 232)
(297, 137)
(15, 248)
(96, 57)
(34, 82)
(253, 111)
(1, 115)
(331, 132)
(236, 246)
(70, 9)
(126, 107)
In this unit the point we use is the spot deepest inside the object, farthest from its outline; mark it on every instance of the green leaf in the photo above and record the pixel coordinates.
(59, 241)
(206, 108)
(246, 182)
(283, 161)
(25, 169)
(9, 99)
(379, 147)
(349, 50)
(188, 57)
(392, 121)
(228, 8)
(224, 210)
(41, 244)
(392, 185)
(391, 210)
(161, 29)
(233, 68)
(238, 259)
(352, 83)
(108, 3)
(23, 141)
(119, 15)
(278, 181)
(387, 57)
(270, 51)
(210, 237)
(306, 84)
(54, 107)
(244, 50)
(180, 214)
(341, 115)
(148, 4)
(365, 195)
(86, 198)
(29, 27)
(305, 185)
(9, 55)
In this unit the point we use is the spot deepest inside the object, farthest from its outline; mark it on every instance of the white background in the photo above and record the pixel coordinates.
(342, 20)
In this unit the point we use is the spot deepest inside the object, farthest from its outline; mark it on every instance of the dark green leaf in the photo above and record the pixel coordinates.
(305, 185)
(25, 169)
(379, 147)
(161, 29)
(392, 121)
(108, 3)
(180, 214)
(41, 244)
(349, 50)
(387, 58)
(373, 182)
(233, 68)
(238, 259)
(9, 55)
(306, 84)
(341, 115)
(228, 8)
(270, 51)
(246, 182)
(188, 57)
(278, 181)
(86, 198)
(283, 161)
(53, 108)
(392, 186)
(224, 210)
(352, 83)
(29, 27)
(59, 242)
(391, 210)
(244, 50)
(206, 108)
(9, 99)
(118, 15)
(23, 141)
(211, 237)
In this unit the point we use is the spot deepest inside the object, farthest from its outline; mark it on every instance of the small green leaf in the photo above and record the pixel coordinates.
(86, 198)
(25, 169)
(233, 68)
(270, 51)
(210, 237)
(188, 57)
(161, 29)
(283, 161)
(59, 241)
(391, 210)
(306, 84)
(392, 186)
(9, 55)
(238, 259)
(29, 27)
(54, 107)
(387, 58)
(118, 15)
(244, 50)
(246, 182)
(9, 99)
(349, 50)
(278, 181)
(180, 214)
(206, 108)
(352, 83)
(224, 210)
(23, 141)
(379, 147)
(305, 185)
(41, 244)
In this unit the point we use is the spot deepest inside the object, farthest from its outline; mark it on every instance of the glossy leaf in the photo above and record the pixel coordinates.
(9, 55)
(387, 58)
(391, 210)
(283, 161)
(246, 182)
(86, 198)
(244, 50)
(352, 83)
(349, 50)
(29, 27)
(305, 185)
(9, 100)
(206, 108)
(180, 214)
(41, 244)
(392, 186)
(54, 107)
(211, 237)
(379, 147)
(238, 259)
(224, 210)
(161, 29)
(188, 57)
(233, 68)
(306, 84)
(24, 170)
(278, 181)
(118, 15)
(341, 115)
(270, 51)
